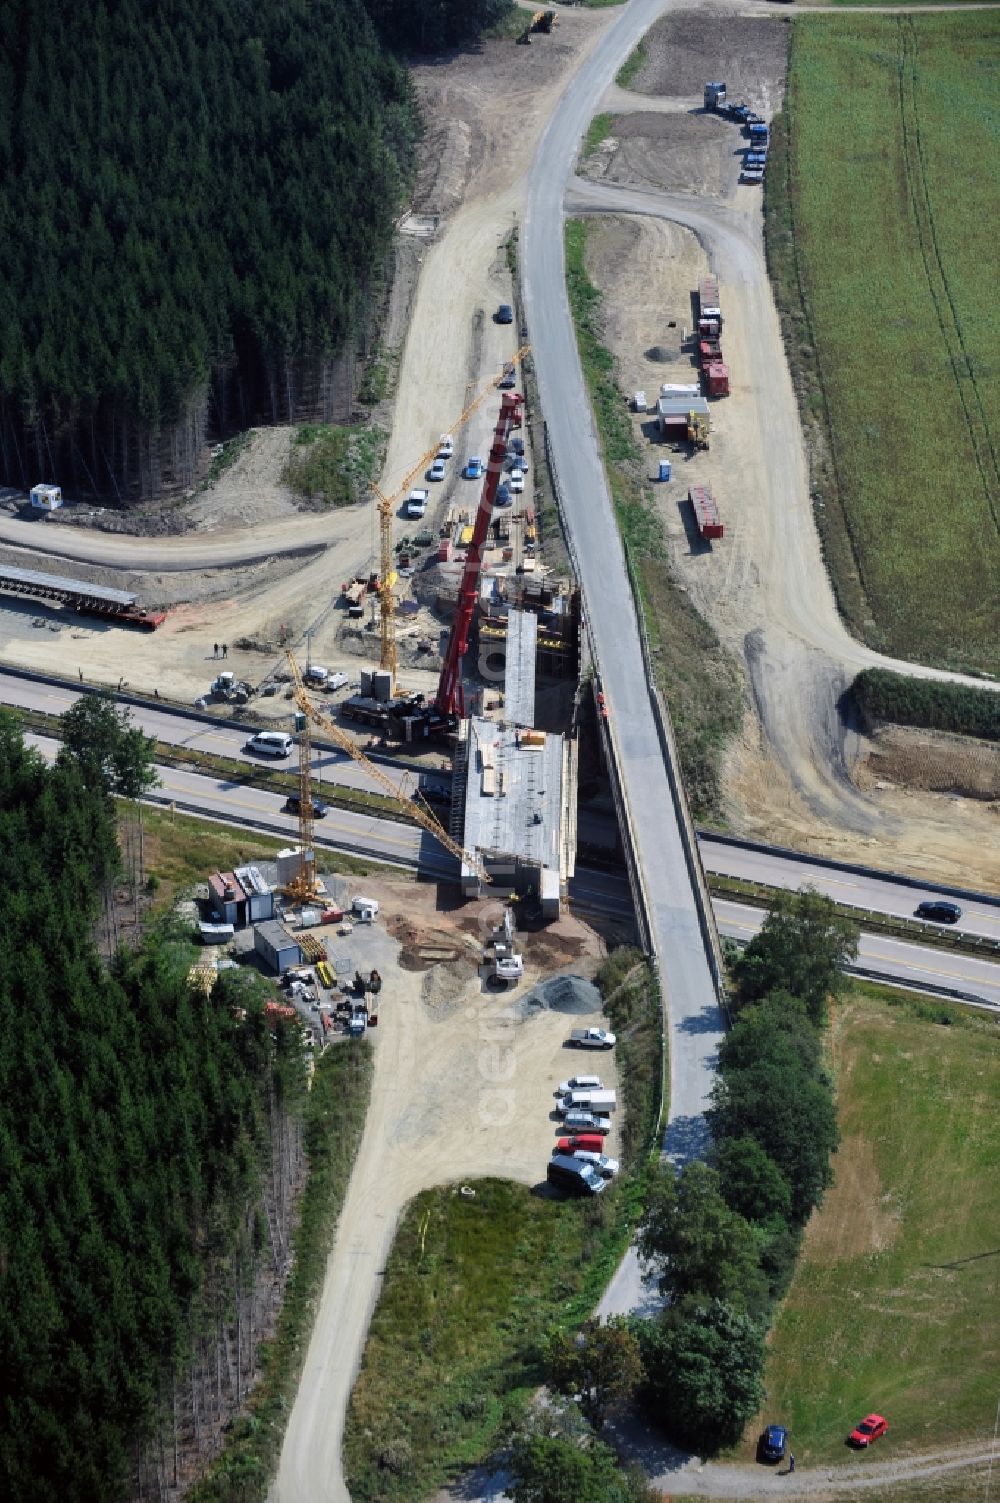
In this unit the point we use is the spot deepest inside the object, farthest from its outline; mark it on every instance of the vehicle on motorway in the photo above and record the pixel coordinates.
(772, 1444)
(436, 471)
(583, 1122)
(474, 468)
(588, 1142)
(504, 314)
(872, 1427)
(416, 501)
(939, 912)
(270, 744)
(587, 1101)
(566, 1172)
(592, 1038)
(446, 446)
(294, 801)
(602, 1163)
(579, 1083)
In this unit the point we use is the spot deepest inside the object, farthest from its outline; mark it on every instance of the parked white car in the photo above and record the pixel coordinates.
(580, 1083)
(416, 501)
(601, 1162)
(446, 446)
(516, 481)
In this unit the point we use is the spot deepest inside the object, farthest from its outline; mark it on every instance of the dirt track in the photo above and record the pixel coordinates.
(790, 776)
(454, 1064)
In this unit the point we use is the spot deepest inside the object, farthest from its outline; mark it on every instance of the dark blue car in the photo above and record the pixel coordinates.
(772, 1444)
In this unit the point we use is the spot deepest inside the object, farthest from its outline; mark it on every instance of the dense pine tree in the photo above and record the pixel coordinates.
(190, 187)
(132, 1125)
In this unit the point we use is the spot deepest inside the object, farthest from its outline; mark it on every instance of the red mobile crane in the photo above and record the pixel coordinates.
(450, 699)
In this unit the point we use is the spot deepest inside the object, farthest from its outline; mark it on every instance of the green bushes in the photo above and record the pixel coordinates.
(722, 1237)
(632, 1003)
(881, 695)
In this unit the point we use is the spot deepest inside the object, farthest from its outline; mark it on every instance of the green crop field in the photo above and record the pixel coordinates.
(884, 232)
(894, 1303)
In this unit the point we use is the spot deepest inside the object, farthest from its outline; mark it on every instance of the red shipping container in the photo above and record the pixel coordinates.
(706, 512)
(717, 379)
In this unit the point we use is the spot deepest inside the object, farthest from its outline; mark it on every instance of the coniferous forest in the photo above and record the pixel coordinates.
(138, 1125)
(196, 209)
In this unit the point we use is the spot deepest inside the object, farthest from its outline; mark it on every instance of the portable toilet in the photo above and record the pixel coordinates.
(665, 469)
(46, 497)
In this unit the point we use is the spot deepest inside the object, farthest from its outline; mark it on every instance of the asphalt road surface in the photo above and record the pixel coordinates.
(693, 1020)
(343, 830)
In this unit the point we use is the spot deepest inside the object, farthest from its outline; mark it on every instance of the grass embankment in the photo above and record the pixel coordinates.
(335, 465)
(880, 229)
(473, 1286)
(181, 850)
(597, 131)
(335, 1118)
(892, 1304)
(632, 67)
(698, 679)
(881, 695)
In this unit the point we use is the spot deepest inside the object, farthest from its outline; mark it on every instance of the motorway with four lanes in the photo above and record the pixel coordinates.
(591, 891)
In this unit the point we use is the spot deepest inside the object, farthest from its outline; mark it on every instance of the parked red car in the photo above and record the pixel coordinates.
(872, 1427)
(587, 1142)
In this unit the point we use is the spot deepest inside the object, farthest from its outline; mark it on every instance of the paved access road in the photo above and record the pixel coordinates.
(694, 1023)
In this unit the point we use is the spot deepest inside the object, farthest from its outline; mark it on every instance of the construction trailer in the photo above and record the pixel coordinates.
(706, 513)
(46, 497)
(276, 947)
(675, 416)
(715, 96)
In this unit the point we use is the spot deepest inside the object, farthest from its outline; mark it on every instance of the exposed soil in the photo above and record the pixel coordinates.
(675, 152)
(797, 774)
(454, 1062)
(687, 48)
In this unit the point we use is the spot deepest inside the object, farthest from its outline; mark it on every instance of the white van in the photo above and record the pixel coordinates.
(270, 744)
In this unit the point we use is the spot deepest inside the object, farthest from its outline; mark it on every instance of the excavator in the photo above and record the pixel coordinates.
(542, 21)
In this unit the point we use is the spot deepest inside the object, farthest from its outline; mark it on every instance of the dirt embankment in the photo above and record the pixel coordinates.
(797, 774)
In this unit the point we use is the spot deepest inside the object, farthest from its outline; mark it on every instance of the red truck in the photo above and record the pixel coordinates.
(706, 513)
(716, 375)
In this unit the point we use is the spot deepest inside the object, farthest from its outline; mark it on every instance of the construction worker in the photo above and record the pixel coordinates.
(791, 1463)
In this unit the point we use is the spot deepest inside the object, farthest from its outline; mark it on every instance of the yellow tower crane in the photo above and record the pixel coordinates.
(386, 504)
(417, 810)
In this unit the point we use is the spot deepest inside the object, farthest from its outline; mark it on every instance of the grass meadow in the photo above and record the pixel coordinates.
(889, 226)
(894, 1304)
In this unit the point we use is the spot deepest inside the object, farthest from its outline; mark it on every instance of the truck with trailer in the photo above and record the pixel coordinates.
(759, 135)
(709, 309)
(592, 1038)
(715, 96)
(706, 513)
(716, 377)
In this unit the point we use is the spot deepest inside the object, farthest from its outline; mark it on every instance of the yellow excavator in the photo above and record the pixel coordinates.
(542, 21)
